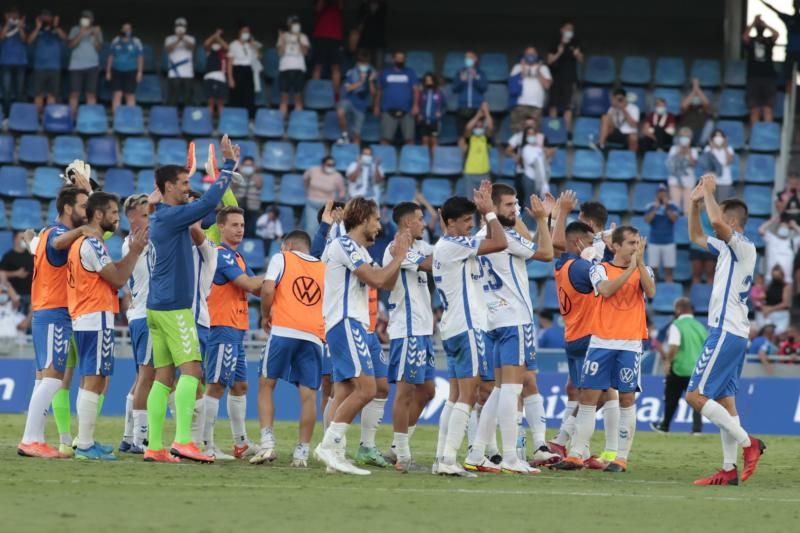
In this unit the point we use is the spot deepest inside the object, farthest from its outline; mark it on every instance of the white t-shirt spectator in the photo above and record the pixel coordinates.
(181, 60)
(292, 58)
(365, 184)
(243, 54)
(515, 141)
(618, 118)
(533, 93)
(269, 229)
(725, 178)
(534, 166)
(780, 252)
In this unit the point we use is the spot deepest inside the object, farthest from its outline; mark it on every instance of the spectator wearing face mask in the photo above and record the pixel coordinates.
(661, 249)
(761, 74)
(322, 183)
(527, 88)
(620, 125)
(533, 163)
(269, 228)
(365, 176)
(180, 61)
(696, 114)
(13, 57)
(16, 266)
(85, 41)
(11, 320)
(469, 85)
(477, 133)
(681, 161)
(564, 57)
(782, 242)
(244, 70)
(787, 202)
(658, 128)
(293, 47)
(359, 88)
(396, 100)
(328, 38)
(718, 158)
(47, 40)
(125, 66)
(372, 30)
(215, 80)
(777, 301)
(432, 107)
(249, 194)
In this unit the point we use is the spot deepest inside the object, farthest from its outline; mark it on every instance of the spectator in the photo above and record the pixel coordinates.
(469, 84)
(244, 70)
(658, 128)
(85, 40)
(620, 124)
(431, 221)
(551, 335)
(322, 183)
(782, 242)
(696, 114)
(269, 228)
(17, 266)
(47, 40)
(359, 87)
(125, 66)
(365, 176)
(760, 70)
(328, 38)
(790, 345)
(661, 215)
(718, 158)
(527, 88)
(432, 107)
(396, 100)
(681, 160)
(476, 150)
(180, 56)
(11, 320)
(792, 23)
(563, 58)
(758, 292)
(703, 261)
(293, 46)
(13, 57)
(777, 302)
(787, 202)
(372, 30)
(215, 80)
(764, 346)
(534, 164)
(249, 194)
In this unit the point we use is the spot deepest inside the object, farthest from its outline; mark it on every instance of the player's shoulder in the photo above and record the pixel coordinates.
(466, 242)
(516, 237)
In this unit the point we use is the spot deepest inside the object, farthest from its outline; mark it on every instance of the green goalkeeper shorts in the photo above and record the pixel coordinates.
(174, 337)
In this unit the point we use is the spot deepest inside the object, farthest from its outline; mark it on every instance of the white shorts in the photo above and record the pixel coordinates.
(662, 255)
(685, 182)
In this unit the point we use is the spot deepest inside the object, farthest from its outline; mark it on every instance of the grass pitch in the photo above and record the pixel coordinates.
(655, 495)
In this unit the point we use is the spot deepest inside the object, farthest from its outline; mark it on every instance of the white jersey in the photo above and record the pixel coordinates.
(506, 284)
(458, 275)
(410, 313)
(345, 295)
(736, 261)
(138, 283)
(204, 258)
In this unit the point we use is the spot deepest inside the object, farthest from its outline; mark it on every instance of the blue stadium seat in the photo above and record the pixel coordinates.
(707, 72)
(558, 165)
(732, 103)
(387, 155)
(268, 123)
(196, 121)
(114, 245)
(57, 118)
(615, 196)
(23, 118)
(735, 73)
(594, 101)
(92, 120)
(119, 181)
(670, 72)
(6, 149)
(102, 151)
(451, 99)
(292, 191)
(34, 149)
(149, 57)
(659, 322)
(448, 133)
(171, 152)
(638, 96)
(149, 90)
(287, 218)
(67, 148)
(585, 131)
(138, 152)
(308, 154)
(318, 95)
(26, 213)
(415, 160)
(666, 294)
(145, 181)
(734, 130)
(46, 182)
(600, 70)
(760, 169)
(303, 126)
(271, 63)
(344, 154)
(249, 149)
(330, 126)
(371, 131)
(587, 164)
(52, 212)
(277, 156)
(453, 62)
(6, 238)
(436, 190)
(554, 130)
(129, 120)
(583, 189)
(635, 70)
(621, 165)
(400, 189)
(699, 294)
(539, 270)
(682, 231)
(751, 232)
(252, 251)
(683, 268)
(497, 97)
(420, 61)
(233, 121)
(164, 121)
(765, 137)
(643, 194)
(14, 180)
(550, 297)
(447, 161)
(639, 223)
(672, 97)
(502, 165)
(777, 109)
(268, 189)
(495, 66)
(759, 200)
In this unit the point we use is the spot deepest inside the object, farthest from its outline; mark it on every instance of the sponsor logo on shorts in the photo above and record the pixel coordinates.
(626, 375)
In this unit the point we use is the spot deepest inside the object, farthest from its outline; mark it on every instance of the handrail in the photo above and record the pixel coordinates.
(787, 133)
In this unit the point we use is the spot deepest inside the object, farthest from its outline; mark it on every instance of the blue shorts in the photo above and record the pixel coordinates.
(604, 368)
(225, 361)
(350, 355)
(576, 354)
(380, 363)
(95, 352)
(297, 361)
(327, 365)
(202, 337)
(52, 330)
(717, 372)
(466, 355)
(410, 359)
(140, 342)
(514, 345)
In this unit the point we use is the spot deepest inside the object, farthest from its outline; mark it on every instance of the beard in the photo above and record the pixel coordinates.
(77, 221)
(507, 222)
(107, 226)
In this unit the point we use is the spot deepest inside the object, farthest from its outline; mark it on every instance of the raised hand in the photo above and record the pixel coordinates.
(709, 182)
(608, 235)
(338, 215)
(327, 213)
(229, 150)
(402, 243)
(640, 251)
(483, 197)
(697, 192)
(138, 240)
(537, 210)
(568, 201)
(549, 203)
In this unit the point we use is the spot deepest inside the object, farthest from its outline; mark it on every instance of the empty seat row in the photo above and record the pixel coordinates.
(668, 71)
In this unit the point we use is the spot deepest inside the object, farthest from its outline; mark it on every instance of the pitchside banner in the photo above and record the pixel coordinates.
(766, 405)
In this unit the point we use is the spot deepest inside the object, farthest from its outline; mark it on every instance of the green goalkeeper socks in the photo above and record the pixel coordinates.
(61, 410)
(185, 397)
(157, 414)
(100, 399)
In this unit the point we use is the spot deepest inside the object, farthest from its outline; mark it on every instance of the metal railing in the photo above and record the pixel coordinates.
(787, 133)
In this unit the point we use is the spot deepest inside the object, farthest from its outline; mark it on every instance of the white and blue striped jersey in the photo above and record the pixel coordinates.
(138, 283)
(410, 313)
(205, 266)
(506, 282)
(345, 295)
(736, 261)
(458, 275)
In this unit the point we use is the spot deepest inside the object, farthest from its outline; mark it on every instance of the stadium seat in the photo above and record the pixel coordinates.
(268, 123)
(344, 154)
(699, 294)
(436, 190)
(585, 132)
(765, 137)
(46, 182)
(495, 66)
(558, 165)
(138, 152)
(145, 181)
(594, 101)
(635, 70)
(539, 270)
(453, 62)
(57, 118)
(735, 73)
(400, 189)
(600, 70)
(501, 165)
(621, 165)
(666, 294)
(92, 120)
(682, 231)
(114, 244)
(415, 160)
(52, 212)
(587, 164)
(706, 71)
(638, 96)
(308, 154)
(23, 118)
(760, 168)
(448, 133)
(196, 121)
(554, 130)
(450, 98)
(271, 63)
(583, 189)
(34, 149)
(67, 148)
(277, 156)
(331, 131)
(119, 181)
(447, 161)
(670, 72)
(164, 121)
(252, 251)
(777, 109)
(734, 130)
(683, 268)
(303, 126)
(149, 57)
(371, 131)
(149, 90)
(732, 103)
(287, 218)
(249, 149)
(171, 152)
(387, 156)
(318, 95)
(550, 297)
(751, 232)
(233, 121)
(639, 223)
(292, 192)
(6, 238)
(759, 200)
(6, 149)
(643, 194)
(14, 182)
(497, 97)
(129, 120)
(102, 151)
(26, 213)
(420, 61)
(268, 189)
(671, 96)
(615, 197)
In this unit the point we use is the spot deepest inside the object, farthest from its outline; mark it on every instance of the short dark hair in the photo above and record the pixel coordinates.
(222, 214)
(248, 158)
(68, 196)
(362, 55)
(298, 235)
(596, 212)
(737, 208)
(547, 314)
(99, 201)
(619, 92)
(326, 159)
(356, 212)
(168, 173)
(501, 189)
(336, 205)
(618, 237)
(578, 227)
(457, 207)
(404, 209)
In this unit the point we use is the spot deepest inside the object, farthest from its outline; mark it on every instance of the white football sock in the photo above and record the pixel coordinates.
(237, 411)
(402, 449)
(326, 413)
(371, 416)
(486, 427)
(507, 419)
(198, 421)
(567, 424)
(140, 426)
(627, 430)
(611, 425)
(730, 448)
(127, 435)
(411, 430)
(36, 383)
(38, 406)
(444, 423)
(335, 434)
(87, 418)
(267, 438)
(584, 428)
(472, 425)
(723, 420)
(459, 417)
(534, 413)
(212, 411)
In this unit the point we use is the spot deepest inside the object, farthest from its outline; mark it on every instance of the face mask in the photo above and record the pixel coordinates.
(684, 141)
(363, 68)
(696, 100)
(568, 36)
(783, 232)
(630, 98)
(126, 34)
(366, 159)
(531, 139)
(661, 110)
(328, 170)
(216, 46)
(248, 170)
(469, 62)
(245, 36)
(3, 298)
(531, 58)
(13, 21)
(399, 64)
(85, 22)
(180, 30)
(478, 131)
(719, 140)
(295, 28)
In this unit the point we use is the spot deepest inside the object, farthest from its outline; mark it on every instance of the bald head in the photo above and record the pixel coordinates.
(683, 306)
